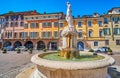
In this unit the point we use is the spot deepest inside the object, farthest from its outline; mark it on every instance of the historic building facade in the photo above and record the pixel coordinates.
(39, 31)
(112, 29)
(13, 28)
(90, 31)
(2, 23)
(42, 31)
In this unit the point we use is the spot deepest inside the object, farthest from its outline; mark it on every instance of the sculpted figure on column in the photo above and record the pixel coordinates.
(69, 18)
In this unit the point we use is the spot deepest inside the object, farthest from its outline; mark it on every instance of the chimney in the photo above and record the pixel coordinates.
(78, 16)
(44, 12)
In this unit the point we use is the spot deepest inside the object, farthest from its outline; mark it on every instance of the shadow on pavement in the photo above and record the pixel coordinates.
(114, 72)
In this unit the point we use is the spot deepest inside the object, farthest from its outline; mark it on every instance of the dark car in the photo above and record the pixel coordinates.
(102, 49)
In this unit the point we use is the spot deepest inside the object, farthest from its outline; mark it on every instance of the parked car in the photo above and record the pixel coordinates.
(102, 49)
(9, 48)
(22, 48)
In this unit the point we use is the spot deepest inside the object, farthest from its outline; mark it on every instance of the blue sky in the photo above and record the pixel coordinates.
(79, 7)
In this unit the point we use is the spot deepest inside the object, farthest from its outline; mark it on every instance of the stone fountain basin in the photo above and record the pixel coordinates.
(62, 69)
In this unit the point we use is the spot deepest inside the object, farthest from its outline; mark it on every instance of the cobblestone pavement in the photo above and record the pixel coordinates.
(12, 63)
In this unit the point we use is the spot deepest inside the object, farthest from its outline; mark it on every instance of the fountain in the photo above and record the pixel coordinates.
(69, 62)
(69, 34)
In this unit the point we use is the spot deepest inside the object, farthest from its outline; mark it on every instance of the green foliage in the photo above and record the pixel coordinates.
(18, 50)
(4, 50)
(91, 50)
(44, 50)
(109, 50)
(30, 50)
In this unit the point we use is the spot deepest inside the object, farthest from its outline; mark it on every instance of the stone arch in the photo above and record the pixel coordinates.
(7, 43)
(40, 45)
(17, 44)
(29, 44)
(80, 45)
(52, 45)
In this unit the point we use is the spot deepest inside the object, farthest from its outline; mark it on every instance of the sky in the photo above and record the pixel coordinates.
(79, 7)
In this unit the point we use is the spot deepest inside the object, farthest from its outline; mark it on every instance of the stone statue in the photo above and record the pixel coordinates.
(69, 18)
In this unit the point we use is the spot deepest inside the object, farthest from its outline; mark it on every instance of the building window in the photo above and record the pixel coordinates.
(105, 20)
(44, 16)
(55, 34)
(116, 19)
(7, 18)
(117, 42)
(49, 24)
(100, 23)
(43, 34)
(90, 33)
(61, 25)
(107, 31)
(16, 23)
(31, 25)
(20, 35)
(24, 34)
(56, 16)
(46, 34)
(21, 23)
(100, 33)
(9, 35)
(56, 24)
(49, 16)
(12, 18)
(89, 23)
(79, 24)
(26, 26)
(34, 34)
(36, 17)
(106, 42)
(15, 35)
(17, 17)
(95, 43)
(12, 24)
(79, 34)
(34, 25)
(46, 24)
(49, 34)
(116, 31)
(6, 24)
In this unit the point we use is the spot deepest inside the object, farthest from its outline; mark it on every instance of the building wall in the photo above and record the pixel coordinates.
(112, 37)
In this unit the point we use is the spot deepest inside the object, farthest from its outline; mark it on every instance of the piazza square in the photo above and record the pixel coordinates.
(60, 41)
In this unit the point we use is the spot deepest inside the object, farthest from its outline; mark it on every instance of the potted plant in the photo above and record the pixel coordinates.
(110, 52)
(18, 50)
(91, 50)
(30, 50)
(4, 50)
(44, 50)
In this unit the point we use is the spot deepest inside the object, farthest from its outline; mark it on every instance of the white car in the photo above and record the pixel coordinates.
(102, 49)
(22, 48)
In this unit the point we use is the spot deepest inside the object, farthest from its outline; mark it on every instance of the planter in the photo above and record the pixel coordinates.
(30, 52)
(110, 53)
(18, 52)
(4, 52)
